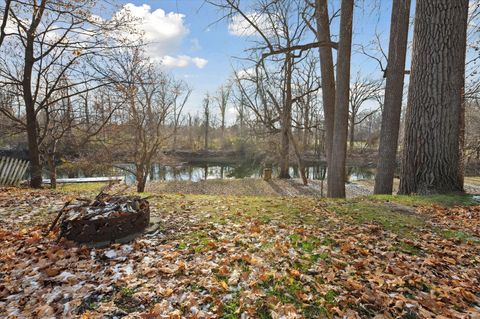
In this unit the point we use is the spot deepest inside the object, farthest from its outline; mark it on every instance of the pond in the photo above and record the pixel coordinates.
(195, 172)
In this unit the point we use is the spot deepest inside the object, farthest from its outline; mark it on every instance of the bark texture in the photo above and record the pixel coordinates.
(395, 73)
(336, 170)
(432, 152)
(327, 74)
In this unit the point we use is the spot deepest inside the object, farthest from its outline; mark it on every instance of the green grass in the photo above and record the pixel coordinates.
(447, 200)
(231, 308)
(88, 188)
(458, 234)
(362, 211)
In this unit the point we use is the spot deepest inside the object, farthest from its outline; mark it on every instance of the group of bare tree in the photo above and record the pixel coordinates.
(69, 78)
(283, 34)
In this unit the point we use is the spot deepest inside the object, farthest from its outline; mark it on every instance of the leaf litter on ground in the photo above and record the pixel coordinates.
(243, 257)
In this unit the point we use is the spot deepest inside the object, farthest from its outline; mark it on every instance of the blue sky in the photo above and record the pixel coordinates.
(201, 38)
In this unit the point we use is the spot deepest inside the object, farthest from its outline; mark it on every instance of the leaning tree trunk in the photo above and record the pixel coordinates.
(395, 73)
(432, 152)
(327, 73)
(336, 170)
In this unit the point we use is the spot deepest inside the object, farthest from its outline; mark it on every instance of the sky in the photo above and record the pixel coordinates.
(198, 48)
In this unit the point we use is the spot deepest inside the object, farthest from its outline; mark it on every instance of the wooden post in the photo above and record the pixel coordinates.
(267, 174)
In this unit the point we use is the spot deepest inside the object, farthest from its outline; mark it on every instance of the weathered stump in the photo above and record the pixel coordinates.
(107, 219)
(267, 174)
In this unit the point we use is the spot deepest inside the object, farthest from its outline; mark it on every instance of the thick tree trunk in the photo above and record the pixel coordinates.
(32, 132)
(432, 148)
(336, 169)
(327, 74)
(395, 73)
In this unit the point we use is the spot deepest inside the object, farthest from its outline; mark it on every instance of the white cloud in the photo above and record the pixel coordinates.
(240, 27)
(246, 73)
(164, 33)
(182, 61)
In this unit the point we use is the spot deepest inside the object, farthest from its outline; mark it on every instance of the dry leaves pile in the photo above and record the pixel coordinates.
(458, 218)
(222, 257)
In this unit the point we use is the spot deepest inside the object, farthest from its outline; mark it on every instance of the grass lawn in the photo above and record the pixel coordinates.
(248, 257)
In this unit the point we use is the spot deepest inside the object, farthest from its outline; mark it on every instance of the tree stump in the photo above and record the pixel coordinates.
(267, 174)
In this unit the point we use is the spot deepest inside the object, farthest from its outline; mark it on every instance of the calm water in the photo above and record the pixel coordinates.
(195, 172)
(203, 171)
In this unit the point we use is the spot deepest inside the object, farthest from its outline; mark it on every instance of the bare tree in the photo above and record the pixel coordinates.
(393, 97)
(222, 98)
(178, 105)
(361, 91)
(149, 97)
(336, 172)
(279, 28)
(327, 73)
(55, 38)
(206, 120)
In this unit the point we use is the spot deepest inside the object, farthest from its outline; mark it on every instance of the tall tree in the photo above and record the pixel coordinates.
(222, 97)
(433, 154)
(395, 74)
(336, 171)
(327, 73)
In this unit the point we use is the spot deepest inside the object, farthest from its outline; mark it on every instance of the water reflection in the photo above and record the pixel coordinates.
(195, 172)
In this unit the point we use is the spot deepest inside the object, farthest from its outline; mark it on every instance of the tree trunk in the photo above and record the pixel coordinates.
(205, 145)
(52, 166)
(395, 73)
(174, 146)
(141, 177)
(52, 170)
(336, 169)
(286, 130)
(351, 132)
(327, 74)
(301, 164)
(284, 151)
(32, 131)
(432, 148)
